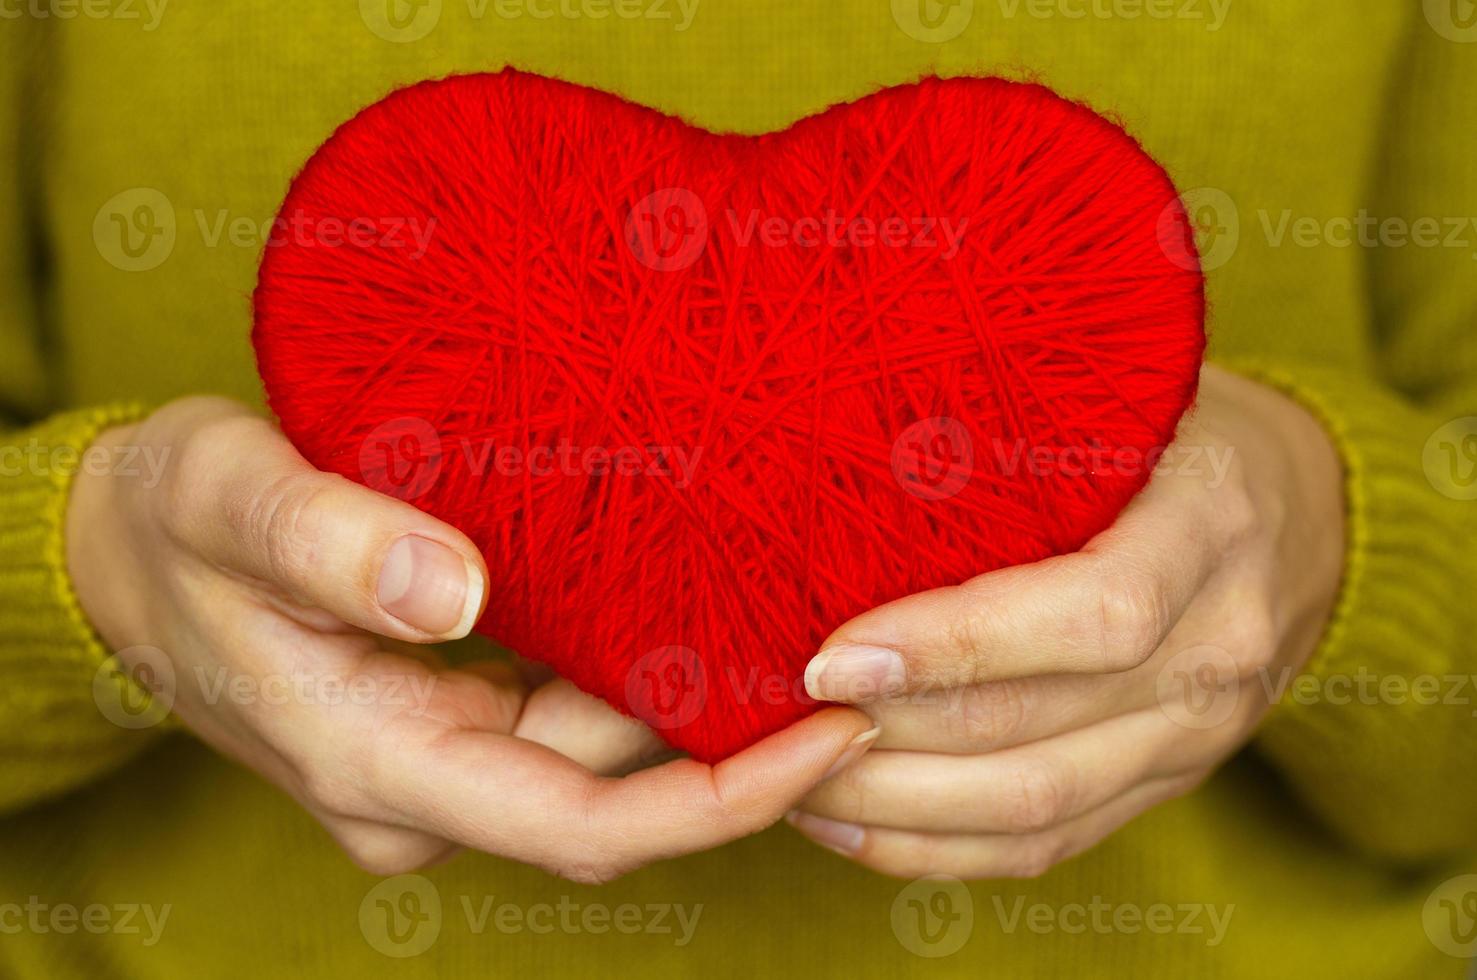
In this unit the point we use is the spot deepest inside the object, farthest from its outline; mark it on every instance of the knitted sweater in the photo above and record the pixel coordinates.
(1329, 152)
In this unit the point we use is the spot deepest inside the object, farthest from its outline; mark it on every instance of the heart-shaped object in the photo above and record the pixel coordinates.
(700, 398)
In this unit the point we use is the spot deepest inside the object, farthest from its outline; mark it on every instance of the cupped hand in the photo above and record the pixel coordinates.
(284, 604)
(1028, 713)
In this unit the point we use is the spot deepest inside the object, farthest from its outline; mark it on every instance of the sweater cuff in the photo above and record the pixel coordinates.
(58, 696)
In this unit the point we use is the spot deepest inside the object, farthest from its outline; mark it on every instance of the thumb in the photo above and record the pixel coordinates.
(253, 505)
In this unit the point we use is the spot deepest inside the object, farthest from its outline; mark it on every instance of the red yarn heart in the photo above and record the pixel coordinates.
(702, 398)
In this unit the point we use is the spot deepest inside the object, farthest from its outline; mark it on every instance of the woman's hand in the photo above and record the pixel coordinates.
(265, 587)
(1029, 713)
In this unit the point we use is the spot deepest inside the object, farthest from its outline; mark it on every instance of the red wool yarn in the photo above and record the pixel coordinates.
(701, 398)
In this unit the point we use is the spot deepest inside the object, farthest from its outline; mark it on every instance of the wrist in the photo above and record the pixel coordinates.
(1294, 475)
(94, 542)
(1310, 550)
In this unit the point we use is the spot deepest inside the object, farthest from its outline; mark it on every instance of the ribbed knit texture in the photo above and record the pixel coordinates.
(1327, 835)
(53, 734)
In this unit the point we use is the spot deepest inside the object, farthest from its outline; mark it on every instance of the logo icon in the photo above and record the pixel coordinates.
(401, 916)
(1450, 459)
(667, 229)
(933, 916)
(932, 21)
(135, 687)
(400, 21)
(933, 458)
(1201, 230)
(1199, 687)
(401, 458)
(667, 687)
(1455, 20)
(1450, 917)
(135, 231)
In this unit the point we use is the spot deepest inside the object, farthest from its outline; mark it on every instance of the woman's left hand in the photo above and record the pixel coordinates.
(1030, 712)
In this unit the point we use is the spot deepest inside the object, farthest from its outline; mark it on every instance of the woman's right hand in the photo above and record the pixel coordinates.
(272, 589)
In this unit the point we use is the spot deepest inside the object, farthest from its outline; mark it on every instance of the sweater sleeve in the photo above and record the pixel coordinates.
(1379, 735)
(56, 691)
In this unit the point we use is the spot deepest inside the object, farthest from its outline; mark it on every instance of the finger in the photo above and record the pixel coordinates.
(274, 737)
(1017, 791)
(1104, 609)
(1002, 714)
(525, 801)
(374, 847)
(560, 716)
(1227, 623)
(587, 730)
(384, 850)
(910, 854)
(250, 503)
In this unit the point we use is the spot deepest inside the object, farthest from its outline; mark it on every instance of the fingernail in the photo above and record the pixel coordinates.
(854, 751)
(427, 585)
(854, 673)
(843, 838)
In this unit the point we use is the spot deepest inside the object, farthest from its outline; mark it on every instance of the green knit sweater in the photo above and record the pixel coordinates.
(145, 144)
